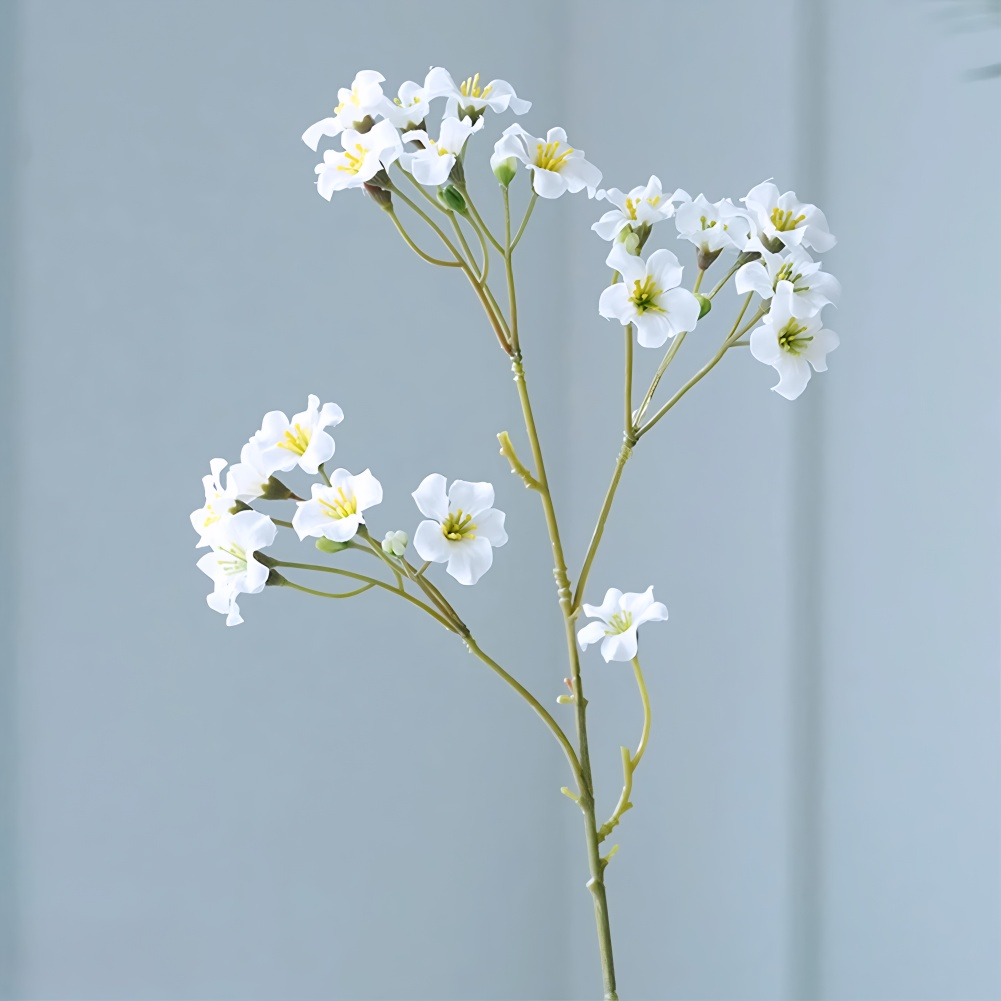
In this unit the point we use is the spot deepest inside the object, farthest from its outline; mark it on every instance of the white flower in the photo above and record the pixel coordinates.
(462, 527)
(433, 164)
(643, 206)
(364, 100)
(556, 166)
(231, 564)
(470, 98)
(711, 226)
(284, 444)
(791, 342)
(395, 543)
(812, 287)
(620, 615)
(783, 219)
(246, 478)
(648, 296)
(335, 512)
(362, 157)
(410, 109)
(219, 502)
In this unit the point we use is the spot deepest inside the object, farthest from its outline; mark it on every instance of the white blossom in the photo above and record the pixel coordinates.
(362, 157)
(395, 543)
(643, 206)
(219, 502)
(462, 527)
(783, 220)
(409, 110)
(812, 287)
(433, 163)
(791, 342)
(470, 98)
(248, 480)
(231, 564)
(648, 296)
(711, 226)
(364, 100)
(302, 441)
(335, 512)
(620, 616)
(556, 166)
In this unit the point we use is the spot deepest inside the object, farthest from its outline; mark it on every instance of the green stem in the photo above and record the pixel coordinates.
(698, 281)
(479, 219)
(417, 250)
(662, 368)
(524, 222)
(547, 718)
(329, 594)
(509, 268)
(628, 425)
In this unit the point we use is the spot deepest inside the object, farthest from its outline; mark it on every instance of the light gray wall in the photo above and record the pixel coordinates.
(302, 807)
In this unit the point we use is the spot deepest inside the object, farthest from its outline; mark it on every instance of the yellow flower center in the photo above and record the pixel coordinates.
(353, 161)
(470, 87)
(549, 157)
(786, 274)
(630, 208)
(458, 526)
(791, 338)
(783, 221)
(352, 100)
(644, 296)
(297, 442)
(341, 506)
(619, 623)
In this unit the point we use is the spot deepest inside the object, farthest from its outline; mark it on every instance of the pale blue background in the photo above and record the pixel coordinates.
(339, 802)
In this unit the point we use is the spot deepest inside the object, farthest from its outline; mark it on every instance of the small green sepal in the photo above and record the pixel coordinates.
(505, 171)
(451, 197)
(329, 546)
(705, 304)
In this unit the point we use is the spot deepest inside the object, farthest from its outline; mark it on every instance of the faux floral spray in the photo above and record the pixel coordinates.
(410, 159)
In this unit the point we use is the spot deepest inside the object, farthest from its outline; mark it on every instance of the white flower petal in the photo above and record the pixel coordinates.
(490, 526)
(753, 277)
(547, 183)
(430, 543)
(614, 304)
(593, 632)
(431, 498)
(472, 498)
(619, 646)
(469, 560)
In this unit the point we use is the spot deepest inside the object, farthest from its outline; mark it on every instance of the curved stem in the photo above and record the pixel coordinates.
(662, 368)
(328, 594)
(479, 219)
(524, 222)
(417, 250)
(547, 718)
(645, 699)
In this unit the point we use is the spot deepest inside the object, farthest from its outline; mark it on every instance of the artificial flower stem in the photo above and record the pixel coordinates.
(478, 219)
(623, 457)
(328, 594)
(659, 374)
(323, 473)
(628, 424)
(705, 370)
(596, 884)
(630, 762)
(698, 280)
(417, 250)
(547, 718)
(524, 222)
(466, 249)
(512, 298)
(736, 267)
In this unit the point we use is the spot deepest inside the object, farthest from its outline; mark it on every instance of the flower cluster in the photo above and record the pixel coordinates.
(462, 528)
(770, 234)
(373, 128)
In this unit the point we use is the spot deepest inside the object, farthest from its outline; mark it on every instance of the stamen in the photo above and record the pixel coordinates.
(458, 526)
(791, 338)
(297, 442)
(783, 221)
(548, 156)
(619, 623)
(341, 506)
(645, 294)
(236, 565)
(631, 208)
(354, 163)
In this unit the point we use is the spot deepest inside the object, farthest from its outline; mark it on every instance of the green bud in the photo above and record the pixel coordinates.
(505, 171)
(705, 258)
(395, 543)
(451, 198)
(457, 175)
(630, 240)
(275, 579)
(772, 244)
(329, 546)
(705, 304)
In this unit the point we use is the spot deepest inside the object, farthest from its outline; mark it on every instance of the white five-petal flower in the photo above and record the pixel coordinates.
(620, 615)
(462, 527)
(410, 109)
(364, 100)
(335, 512)
(648, 296)
(219, 502)
(231, 564)
(643, 206)
(791, 342)
(470, 98)
(783, 220)
(556, 166)
(812, 287)
(711, 226)
(433, 163)
(362, 157)
(284, 444)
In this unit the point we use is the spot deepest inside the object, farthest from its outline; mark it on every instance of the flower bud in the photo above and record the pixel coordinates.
(505, 170)
(630, 240)
(329, 546)
(451, 198)
(705, 304)
(274, 489)
(706, 257)
(395, 543)
(380, 196)
(457, 175)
